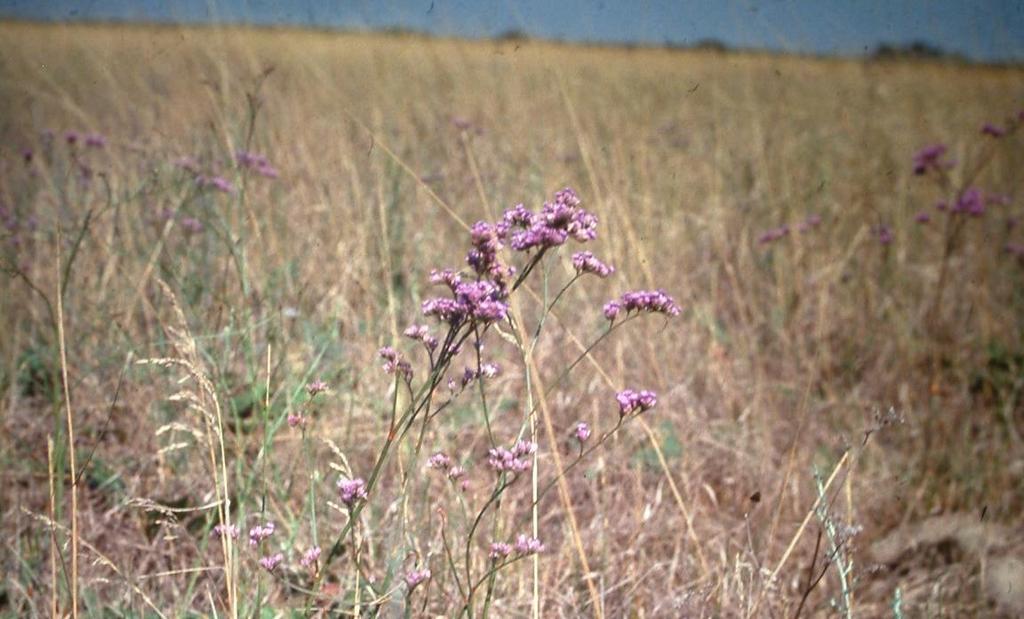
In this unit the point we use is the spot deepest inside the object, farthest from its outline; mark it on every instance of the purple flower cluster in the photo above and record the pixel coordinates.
(635, 401)
(884, 234)
(221, 530)
(217, 182)
(930, 158)
(778, 233)
(487, 240)
(653, 301)
(483, 300)
(971, 202)
(992, 130)
(499, 550)
(1015, 249)
(581, 432)
(351, 491)
(92, 140)
(256, 162)
(416, 577)
(191, 225)
(528, 545)
(480, 301)
(310, 557)
(511, 460)
(420, 333)
(260, 532)
(95, 140)
(774, 234)
(271, 562)
(487, 370)
(524, 545)
(394, 363)
(439, 461)
(552, 226)
(17, 225)
(442, 462)
(809, 223)
(315, 387)
(586, 262)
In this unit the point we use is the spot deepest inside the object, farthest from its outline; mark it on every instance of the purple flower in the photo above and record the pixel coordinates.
(524, 448)
(445, 310)
(249, 160)
(95, 140)
(310, 557)
(971, 202)
(315, 387)
(26, 155)
(71, 137)
(992, 130)
(884, 234)
(260, 532)
(922, 217)
(296, 420)
(256, 162)
(770, 236)
(448, 277)
(422, 334)
(652, 301)
(941, 206)
(468, 376)
(585, 262)
(271, 562)
(517, 217)
(635, 401)
(439, 461)
(267, 171)
(415, 577)
(499, 550)
(581, 432)
(930, 158)
(511, 460)
(557, 221)
(528, 545)
(191, 225)
(221, 530)
(486, 242)
(351, 491)
(481, 301)
(611, 309)
(487, 370)
(217, 182)
(1015, 249)
(808, 224)
(395, 363)
(457, 472)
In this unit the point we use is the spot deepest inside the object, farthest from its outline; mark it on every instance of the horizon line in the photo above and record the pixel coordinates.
(915, 50)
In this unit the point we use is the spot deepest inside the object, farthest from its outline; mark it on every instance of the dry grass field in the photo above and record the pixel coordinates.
(840, 410)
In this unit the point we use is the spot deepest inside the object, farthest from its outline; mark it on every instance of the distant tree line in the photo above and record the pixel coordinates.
(916, 50)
